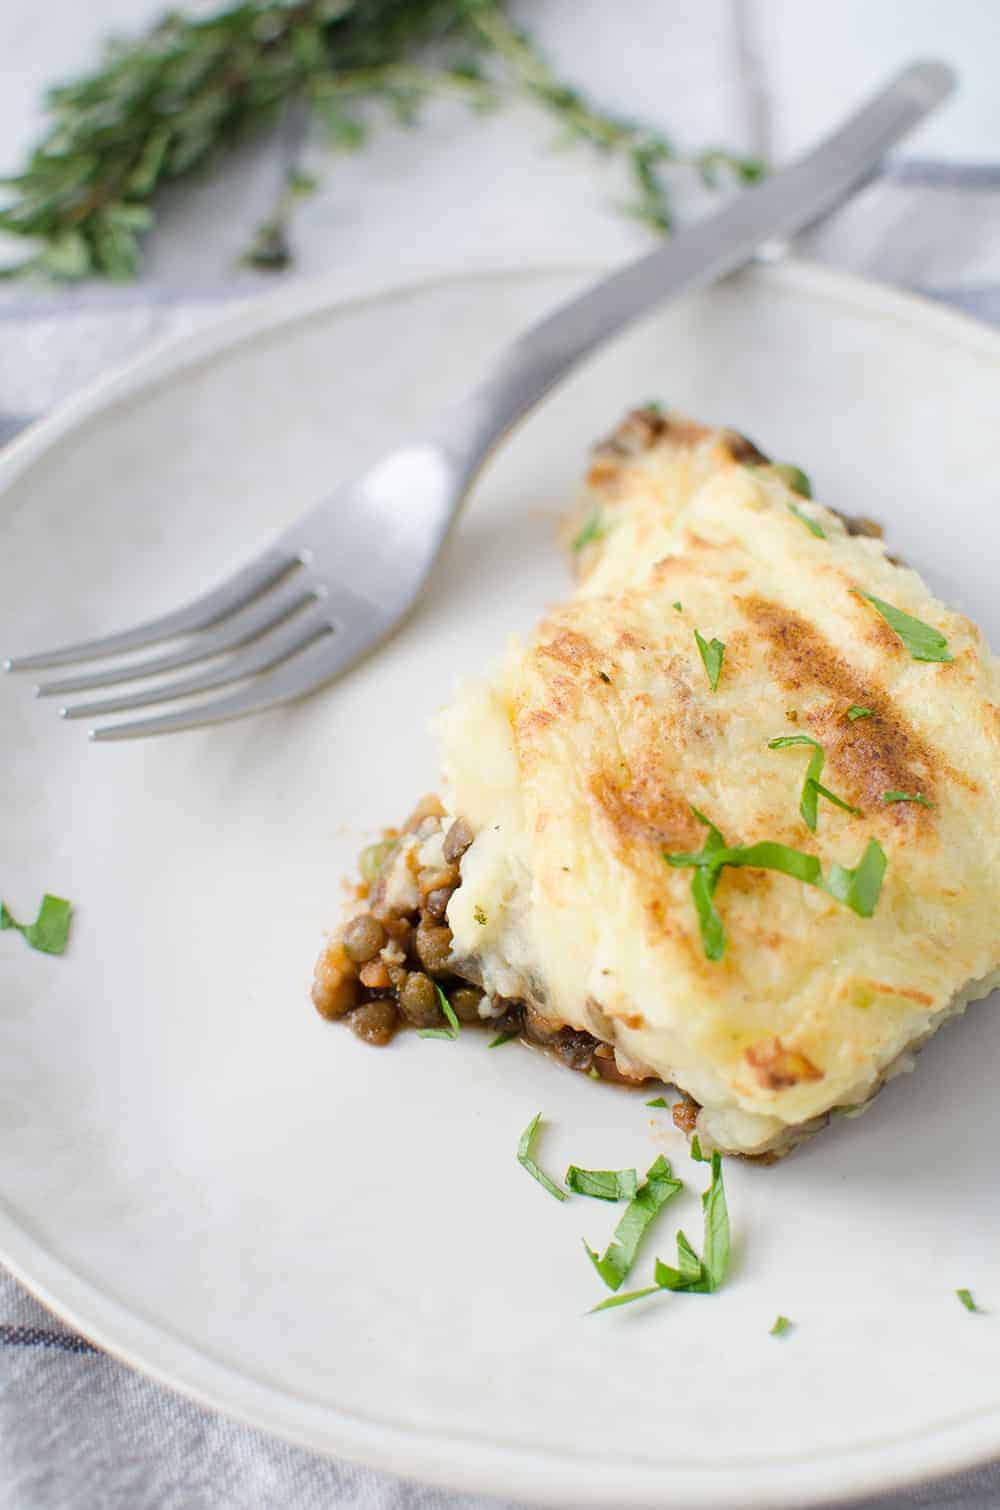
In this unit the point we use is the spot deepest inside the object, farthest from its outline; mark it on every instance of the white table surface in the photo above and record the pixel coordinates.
(765, 76)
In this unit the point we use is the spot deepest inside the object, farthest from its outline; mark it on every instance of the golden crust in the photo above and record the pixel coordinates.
(608, 734)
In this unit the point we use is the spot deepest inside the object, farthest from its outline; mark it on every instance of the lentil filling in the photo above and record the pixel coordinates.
(383, 969)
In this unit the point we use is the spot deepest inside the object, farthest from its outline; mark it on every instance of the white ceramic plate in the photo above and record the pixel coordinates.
(336, 1243)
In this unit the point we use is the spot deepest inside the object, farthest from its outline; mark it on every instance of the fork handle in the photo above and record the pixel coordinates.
(783, 204)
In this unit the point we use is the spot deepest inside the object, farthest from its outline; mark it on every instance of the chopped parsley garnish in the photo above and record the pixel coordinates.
(702, 1276)
(693, 1275)
(858, 888)
(678, 607)
(655, 1191)
(907, 797)
(922, 641)
(656, 1101)
(593, 529)
(50, 930)
(854, 713)
(712, 653)
(480, 916)
(527, 1162)
(603, 1184)
(624, 1298)
(811, 525)
(652, 406)
(794, 478)
(965, 1296)
(501, 1038)
(454, 1026)
(781, 1327)
(812, 788)
(696, 1153)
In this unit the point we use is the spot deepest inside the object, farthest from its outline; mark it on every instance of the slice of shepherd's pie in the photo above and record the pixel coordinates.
(730, 819)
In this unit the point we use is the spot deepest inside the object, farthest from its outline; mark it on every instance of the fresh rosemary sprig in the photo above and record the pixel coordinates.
(163, 106)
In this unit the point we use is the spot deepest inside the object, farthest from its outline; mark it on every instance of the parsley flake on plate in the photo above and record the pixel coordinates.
(527, 1162)
(501, 1038)
(50, 930)
(965, 1296)
(702, 1276)
(782, 1326)
(656, 1190)
(603, 1184)
(657, 1101)
(693, 1275)
(922, 641)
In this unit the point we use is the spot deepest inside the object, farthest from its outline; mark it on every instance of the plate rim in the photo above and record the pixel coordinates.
(453, 1459)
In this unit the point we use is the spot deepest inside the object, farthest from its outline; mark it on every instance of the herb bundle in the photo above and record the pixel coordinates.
(163, 106)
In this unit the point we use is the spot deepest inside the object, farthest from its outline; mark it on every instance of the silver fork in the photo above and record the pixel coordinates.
(344, 575)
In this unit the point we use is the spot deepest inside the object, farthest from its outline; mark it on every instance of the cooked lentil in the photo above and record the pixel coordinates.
(385, 969)
(375, 1021)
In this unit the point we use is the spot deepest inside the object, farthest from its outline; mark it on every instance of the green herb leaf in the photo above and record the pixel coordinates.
(854, 713)
(696, 1153)
(678, 607)
(824, 791)
(812, 787)
(447, 1009)
(703, 884)
(50, 930)
(454, 1026)
(702, 1276)
(794, 478)
(624, 1298)
(811, 524)
(781, 1327)
(769, 855)
(713, 934)
(712, 654)
(906, 797)
(654, 1192)
(859, 888)
(717, 1245)
(527, 1162)
(501, 1038)
(603, 1184)
(965, 1296)
(657, 1101)
(922, 641)
(593, 529)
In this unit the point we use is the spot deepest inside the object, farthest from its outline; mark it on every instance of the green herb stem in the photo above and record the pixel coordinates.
(524, 1158)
